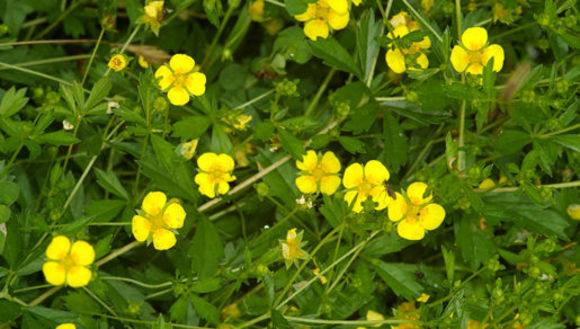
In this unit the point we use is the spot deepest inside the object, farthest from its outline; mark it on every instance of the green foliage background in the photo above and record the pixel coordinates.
(504, 257)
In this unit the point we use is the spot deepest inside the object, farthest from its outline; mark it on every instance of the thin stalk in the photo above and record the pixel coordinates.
(40, 74)
(49, 61)
(371, 323)
(512, 189)
(217, 36)
(423, 21)
(276, 3)
(254, 100)
(561, 131)
(93, 56)
(320, 91)
(60, 18)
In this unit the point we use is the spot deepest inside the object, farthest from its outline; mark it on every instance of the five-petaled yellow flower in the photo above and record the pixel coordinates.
(291, 247)
(322, 15)
(68, 264)
(318, 176)
(66, 326)
(406, 57)
(118, 62)
(415, 213)
(180, 80)
(364, 182)
(474, 53)
(215, 174)
(153, 15)
(157, 220)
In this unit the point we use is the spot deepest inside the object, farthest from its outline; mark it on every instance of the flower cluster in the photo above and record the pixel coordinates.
(157, 220)
(323, 15)
(68, 262)
(413, 211)
(215, 173)
(473, 54)
(403, 56)
(180, 79)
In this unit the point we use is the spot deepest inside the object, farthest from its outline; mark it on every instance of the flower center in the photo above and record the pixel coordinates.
(179, 79)
(68, 262)
(321, 10)
(413, 213)
(476, 56)
(157, 222)
(318, 173)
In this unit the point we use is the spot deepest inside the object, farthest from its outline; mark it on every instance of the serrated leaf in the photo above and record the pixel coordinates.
(206, 249)
(110, 182)
(333, 54)
(205, 310)
(396, 146)
(352, 145)
(98, 93)
(291, 144)
(399, 277)
(12, 102)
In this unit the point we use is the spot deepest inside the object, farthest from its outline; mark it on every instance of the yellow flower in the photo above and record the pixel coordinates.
(415, 213)
(157, 220)
(407, 311)
(362, 183)
(399, 59)
(118, 62)
(66, 326)
(574, 211)
(473, 54)
(179, 79)
(187, 149)
(356, 2)
(68, 264)
(323, 15)
(322, 278)
(257, 11)
(423, 298)
(473, 324)
(486, 184)
(153, 15)
(238, 122)
(215, 174)
(142, 62)
(291, 248)
(375, 316)
(318, 176)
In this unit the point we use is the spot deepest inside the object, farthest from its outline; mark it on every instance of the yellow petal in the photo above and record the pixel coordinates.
(356, 2)
(399, 32)
(178, 96)
(329, 184)
(353, 176)
(206, 161)
(376, 173)
(309, 14)
(309, 162)
(338, 21)
(396, 60)
(422, 61)
(459, 59)
(163, 239)
(416, 193)
(475, 68)
(141, 228)
(400, 19)
(306, 184)
(410, 230)
(330, 163)
(496, 52)
(316, 28)
(474, 38)
(58, 248)
(165, 77)
(181, 63)
(82, 253)
(380, 196)
(340, 6)
(66, 326)
(174, 215)
(206, 185)
(487, 184)
(154, 202)
(78, 276)
(423, 298)
(226, 162)
(374, 316)
(54, 273)
(432, 216)
(397, 208)
(424, 44)
(195, 83)
(350, 196)
(223, 188)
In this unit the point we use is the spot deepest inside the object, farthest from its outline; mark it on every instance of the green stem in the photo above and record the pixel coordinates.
(370, 323)
(100, 301)
(423, 21)
(254, 100)
(512, 189)
(207, 58)
(320, 91)
(458, 18)
(49, 61)
(117, 253)
(94, 53)
(60, 18)
(70, 147)
(561, 131)
(40, 74)
(274, 2)
(12, 159)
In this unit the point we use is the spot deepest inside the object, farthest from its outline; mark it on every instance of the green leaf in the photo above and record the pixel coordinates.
(352, 145)
(333, 54)
(98, 93)
(206, 310)
(400, 277)
(387, 244)
(396, 146)
(4, 213)
(291, 43)
(79, 302)
(278, 320)
(206, 249)
(232, 77)
(368, 47)
(570, 141)
(475, 244)
(296, 7)
(51, 314)
(110, 182)
(191, 127)
(512, 141)
(12, 102)
(291, 144)
(9, 192)
(220, 142)
(58, 138)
